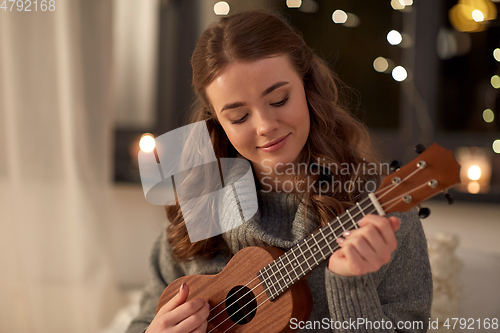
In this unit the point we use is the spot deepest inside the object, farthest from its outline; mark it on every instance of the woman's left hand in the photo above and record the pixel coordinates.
(366, 249)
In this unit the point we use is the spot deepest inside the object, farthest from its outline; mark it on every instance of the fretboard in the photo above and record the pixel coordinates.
(297, 262)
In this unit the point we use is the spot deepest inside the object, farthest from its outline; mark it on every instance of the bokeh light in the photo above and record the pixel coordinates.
(496, 54)
(399, 73)
(339, 16)
(293, 3)
(309, 6)
(474, 172)
(147, 143)
(477, 15)
(394, 37)
(221, 8)
(352, 20)
(473, 187)
(495, 81)
(496, 146)
(488, 115)
(397, 5)
(380, 64)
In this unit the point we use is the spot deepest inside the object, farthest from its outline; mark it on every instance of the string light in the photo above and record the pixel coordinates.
(488, 116)
(399, 73)
(397, 5)
(469, 15)
(496, 54)
(293, 3)
(339, 16)
(309, 6)
(394, 37)
(496, 146)
(495, 81)
(380, 64)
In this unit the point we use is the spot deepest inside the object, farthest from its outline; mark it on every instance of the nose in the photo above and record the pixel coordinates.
(267, 121)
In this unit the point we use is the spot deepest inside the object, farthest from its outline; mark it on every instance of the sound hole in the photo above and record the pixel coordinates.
(241, 305)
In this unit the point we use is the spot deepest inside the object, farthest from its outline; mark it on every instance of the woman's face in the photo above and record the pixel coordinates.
(262, 107)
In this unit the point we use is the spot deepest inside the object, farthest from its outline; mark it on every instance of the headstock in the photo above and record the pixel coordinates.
(433, 171)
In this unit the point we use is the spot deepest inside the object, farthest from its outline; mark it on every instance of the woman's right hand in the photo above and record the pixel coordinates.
(179, 316)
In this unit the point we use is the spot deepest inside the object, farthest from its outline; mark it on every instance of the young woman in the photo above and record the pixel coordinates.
(266, 97)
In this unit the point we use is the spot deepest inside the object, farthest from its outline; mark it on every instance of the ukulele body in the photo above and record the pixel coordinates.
(270, 317)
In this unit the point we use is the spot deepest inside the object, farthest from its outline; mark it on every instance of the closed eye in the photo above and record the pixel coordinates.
(239, 121)
(280, 103)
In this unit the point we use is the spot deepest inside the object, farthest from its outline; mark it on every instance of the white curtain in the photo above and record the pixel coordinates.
(56, 121)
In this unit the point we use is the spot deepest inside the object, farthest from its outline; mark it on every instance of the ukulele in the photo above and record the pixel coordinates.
(262, 288)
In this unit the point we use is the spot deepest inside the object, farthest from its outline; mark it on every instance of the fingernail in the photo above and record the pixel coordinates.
(182, 286)
(346, 233)
(340, 240)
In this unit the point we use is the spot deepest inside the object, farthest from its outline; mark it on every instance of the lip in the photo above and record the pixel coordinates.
(275, 144)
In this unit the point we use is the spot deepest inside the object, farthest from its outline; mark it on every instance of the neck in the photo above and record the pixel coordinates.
(275, 180)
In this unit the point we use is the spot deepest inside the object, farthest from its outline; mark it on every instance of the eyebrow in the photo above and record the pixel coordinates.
(266, 92)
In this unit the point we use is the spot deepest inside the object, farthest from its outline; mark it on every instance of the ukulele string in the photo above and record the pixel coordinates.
(248, 292)
(397, 184)
(255, 309)
(222, 322)
(274, 273)
(333, 232)
(220, 303)
(236, 300)
(387, 189)
(396, 199)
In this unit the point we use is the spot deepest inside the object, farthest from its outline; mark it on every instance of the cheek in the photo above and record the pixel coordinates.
(240, 139)
(301, 117)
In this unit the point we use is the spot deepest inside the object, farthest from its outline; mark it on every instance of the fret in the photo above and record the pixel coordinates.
(327, 243)
(296, 261)
(354, 223)
(280, 277)
(305, 258)
(323, 246)
(307, 243)
(360, 209)
(270, 278)
(369, 206)
(319, 247)
(264, 283)
(303, 262)
(341, 224)
(289, 279)
(264, 271)
(293, 264)
(333, 235)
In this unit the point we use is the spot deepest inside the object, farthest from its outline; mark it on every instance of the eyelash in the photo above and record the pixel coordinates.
(280, 103)
(277, 104)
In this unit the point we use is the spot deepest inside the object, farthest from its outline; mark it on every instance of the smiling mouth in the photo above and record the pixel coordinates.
(274, 142)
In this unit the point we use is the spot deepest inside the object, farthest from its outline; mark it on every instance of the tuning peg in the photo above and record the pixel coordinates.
(423, 212)
(448, 197)
(395, 165)
(419, 148)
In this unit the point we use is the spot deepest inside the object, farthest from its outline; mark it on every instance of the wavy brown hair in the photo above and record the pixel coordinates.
(335, 136)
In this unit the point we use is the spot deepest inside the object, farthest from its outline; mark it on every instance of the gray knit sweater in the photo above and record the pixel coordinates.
(400, 292)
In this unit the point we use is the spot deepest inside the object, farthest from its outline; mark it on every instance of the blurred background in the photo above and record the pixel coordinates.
(81, 81)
